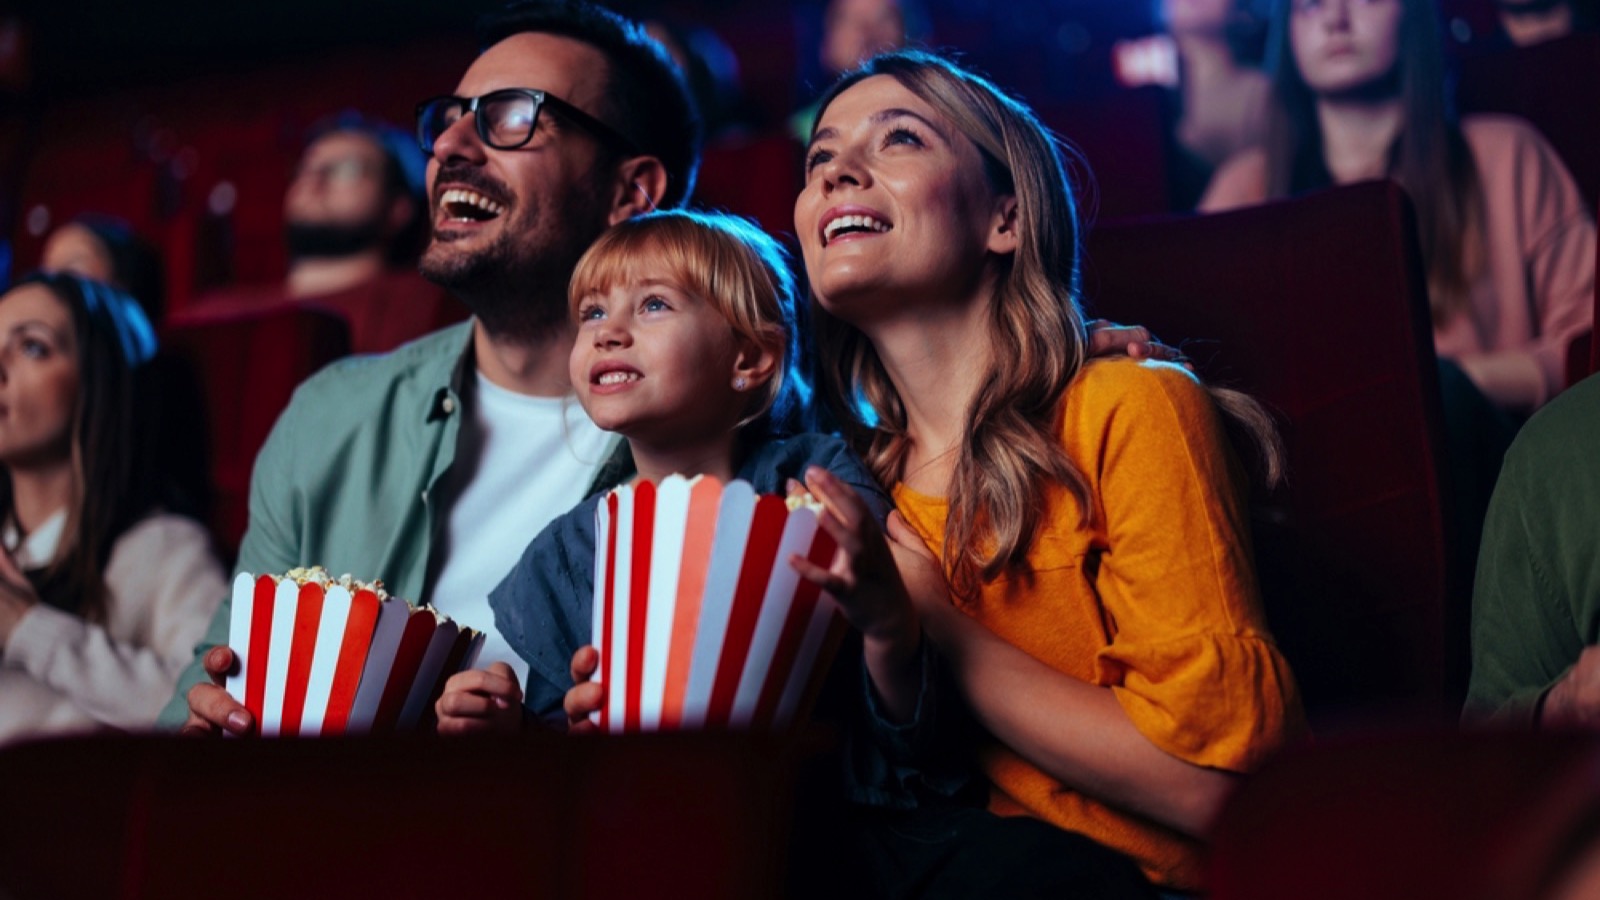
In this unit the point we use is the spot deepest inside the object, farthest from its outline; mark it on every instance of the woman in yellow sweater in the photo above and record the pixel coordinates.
(1073, 532)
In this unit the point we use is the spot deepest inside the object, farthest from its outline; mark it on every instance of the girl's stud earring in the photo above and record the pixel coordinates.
(739, 383)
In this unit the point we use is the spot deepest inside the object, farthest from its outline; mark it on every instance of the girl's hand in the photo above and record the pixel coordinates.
(585, 696)
(17, 595)
(479, 701)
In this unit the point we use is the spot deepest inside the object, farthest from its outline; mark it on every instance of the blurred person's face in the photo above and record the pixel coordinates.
(1345, 46)
(1202, 17)
(507, 222)
(38, 378)
(856, 30)
(337, 203)
(340, 181)
(74, 249)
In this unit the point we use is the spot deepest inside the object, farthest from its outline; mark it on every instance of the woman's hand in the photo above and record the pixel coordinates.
(863, 578)
(17, 596)
(478, 701)
(585, 696)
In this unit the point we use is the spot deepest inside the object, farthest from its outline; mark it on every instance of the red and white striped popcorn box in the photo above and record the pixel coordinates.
(315, 660)
(700, 620)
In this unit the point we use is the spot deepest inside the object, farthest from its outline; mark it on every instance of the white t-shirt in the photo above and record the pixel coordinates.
(520, 462)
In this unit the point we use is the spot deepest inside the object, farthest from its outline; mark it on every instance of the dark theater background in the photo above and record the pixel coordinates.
(186, 118)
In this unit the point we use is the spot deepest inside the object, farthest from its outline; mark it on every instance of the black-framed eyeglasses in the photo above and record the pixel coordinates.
(505, 119)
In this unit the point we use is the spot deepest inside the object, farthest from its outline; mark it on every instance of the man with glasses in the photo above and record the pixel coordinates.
(354, 221)
(430, 467)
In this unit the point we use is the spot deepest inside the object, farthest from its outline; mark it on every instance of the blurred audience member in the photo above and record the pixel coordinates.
(1210, 55)
(354, 219)
(103, 590)
(1528, 22)
(1507, 243)
(711, 70)
(1536, 601)
(106, 249)
(1507, 240)
(854, 31)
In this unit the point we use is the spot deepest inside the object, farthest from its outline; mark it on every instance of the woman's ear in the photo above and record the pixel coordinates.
(754, 366)
(1003, 237)
(641, 183)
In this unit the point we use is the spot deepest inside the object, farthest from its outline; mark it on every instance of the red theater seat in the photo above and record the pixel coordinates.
(687, 815)
(1317, 307)
(1405, 816)
(248, 366)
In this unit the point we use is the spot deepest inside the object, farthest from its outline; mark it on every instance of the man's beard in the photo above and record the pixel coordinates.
(313, 240)
(514, 289)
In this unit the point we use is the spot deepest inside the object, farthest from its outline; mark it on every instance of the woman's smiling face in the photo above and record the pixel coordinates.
(896, 204)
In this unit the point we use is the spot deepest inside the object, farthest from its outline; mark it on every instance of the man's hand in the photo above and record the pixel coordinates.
(1574, 701)
(211, 710)
(585, 696)
(481, 701)
(1110, 339)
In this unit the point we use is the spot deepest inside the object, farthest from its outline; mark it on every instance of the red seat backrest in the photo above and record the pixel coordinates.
(1317, 307)
(248, 366)
(1396, 816)
(758, 177)
(677, 815)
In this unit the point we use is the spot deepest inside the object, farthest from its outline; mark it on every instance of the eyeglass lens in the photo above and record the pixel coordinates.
(505, 119)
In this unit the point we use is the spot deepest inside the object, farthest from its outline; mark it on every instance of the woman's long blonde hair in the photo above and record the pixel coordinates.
(1012, 451)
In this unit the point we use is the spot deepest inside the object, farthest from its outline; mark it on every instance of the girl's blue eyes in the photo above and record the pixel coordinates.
(34, 348)
(650, 304)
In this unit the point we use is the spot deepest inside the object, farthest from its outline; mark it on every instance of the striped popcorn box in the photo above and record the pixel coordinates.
(319, 657)
(700, 620)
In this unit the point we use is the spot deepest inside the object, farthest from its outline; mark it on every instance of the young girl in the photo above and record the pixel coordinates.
(685, 347)
(103, 592)
(1073, 533)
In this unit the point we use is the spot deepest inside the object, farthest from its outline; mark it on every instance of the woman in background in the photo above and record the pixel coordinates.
(1508, 245)
(103, 592)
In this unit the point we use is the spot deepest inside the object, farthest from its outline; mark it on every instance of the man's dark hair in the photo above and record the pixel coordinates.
(645, 95)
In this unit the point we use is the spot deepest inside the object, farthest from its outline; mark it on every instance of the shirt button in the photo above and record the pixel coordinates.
(448, 405)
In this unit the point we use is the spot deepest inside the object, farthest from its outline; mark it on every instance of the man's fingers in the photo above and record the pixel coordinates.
(463, 704)
(212, 704)
(219, 663)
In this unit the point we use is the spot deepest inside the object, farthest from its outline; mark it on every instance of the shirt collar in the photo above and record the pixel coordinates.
(39, 547)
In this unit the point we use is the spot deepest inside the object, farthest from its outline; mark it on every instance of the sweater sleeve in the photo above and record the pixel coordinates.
(1533, 204)
(165, 583)
(1190, 659)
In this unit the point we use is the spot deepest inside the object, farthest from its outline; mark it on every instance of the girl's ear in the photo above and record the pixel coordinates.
(1003, 238)
(754, 366)
(641, 183)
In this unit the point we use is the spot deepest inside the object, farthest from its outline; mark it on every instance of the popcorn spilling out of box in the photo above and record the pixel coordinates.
(324, 656)
(700, 620)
